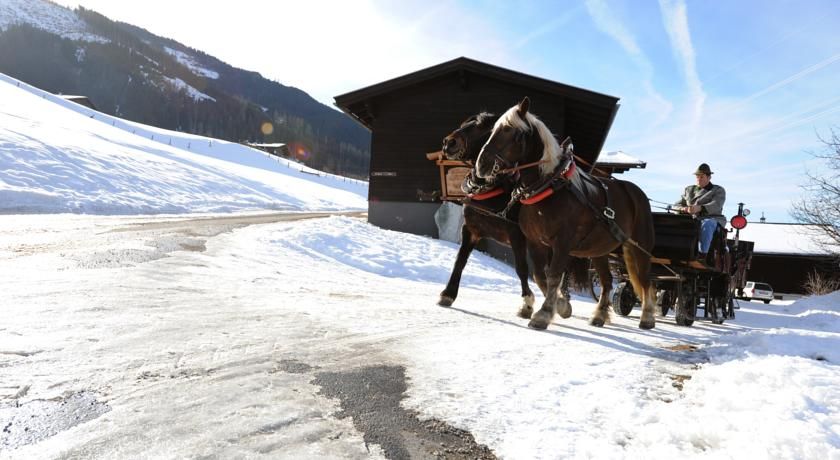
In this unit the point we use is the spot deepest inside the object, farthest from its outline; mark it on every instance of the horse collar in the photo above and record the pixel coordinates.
(547, 188)
(486, 195)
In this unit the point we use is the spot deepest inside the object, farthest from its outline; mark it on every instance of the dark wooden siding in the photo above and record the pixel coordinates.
(411, 122)
(787, 272)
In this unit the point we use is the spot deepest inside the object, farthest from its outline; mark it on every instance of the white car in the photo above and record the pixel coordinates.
(758, 291)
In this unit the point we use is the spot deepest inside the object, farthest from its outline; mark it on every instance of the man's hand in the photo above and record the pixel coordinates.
(693, 209)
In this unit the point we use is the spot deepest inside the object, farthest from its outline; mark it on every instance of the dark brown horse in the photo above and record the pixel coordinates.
(571, 213)
(483, 217)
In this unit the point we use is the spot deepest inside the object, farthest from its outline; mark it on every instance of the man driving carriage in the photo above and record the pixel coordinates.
(704, 201)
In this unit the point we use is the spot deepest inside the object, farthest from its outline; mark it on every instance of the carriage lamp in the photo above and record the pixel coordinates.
(738, 222)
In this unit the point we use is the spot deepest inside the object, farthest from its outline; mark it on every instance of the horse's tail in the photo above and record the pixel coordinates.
(578, 269)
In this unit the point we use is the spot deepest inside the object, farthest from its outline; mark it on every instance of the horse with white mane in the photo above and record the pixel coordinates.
(569, 212)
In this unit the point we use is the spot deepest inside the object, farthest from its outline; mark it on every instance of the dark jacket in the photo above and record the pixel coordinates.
(711, 198)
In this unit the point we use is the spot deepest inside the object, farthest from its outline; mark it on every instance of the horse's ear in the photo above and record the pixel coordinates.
(524, 106)
(566, 146)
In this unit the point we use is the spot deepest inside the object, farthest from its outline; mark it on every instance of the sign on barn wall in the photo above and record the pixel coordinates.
(454, 178)
(452, 174)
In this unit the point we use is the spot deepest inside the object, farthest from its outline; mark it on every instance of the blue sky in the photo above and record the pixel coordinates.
(745, 86)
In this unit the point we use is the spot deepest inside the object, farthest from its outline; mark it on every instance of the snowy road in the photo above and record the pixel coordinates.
(184, 339)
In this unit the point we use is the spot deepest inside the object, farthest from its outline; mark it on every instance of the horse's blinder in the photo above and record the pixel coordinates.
(500, 163)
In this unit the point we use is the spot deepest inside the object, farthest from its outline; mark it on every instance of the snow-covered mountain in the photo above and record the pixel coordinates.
(131, 73)
(47, 16)
(58, 156)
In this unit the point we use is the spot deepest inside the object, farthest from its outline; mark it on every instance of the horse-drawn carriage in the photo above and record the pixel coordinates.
(526, 189)
(685, 283)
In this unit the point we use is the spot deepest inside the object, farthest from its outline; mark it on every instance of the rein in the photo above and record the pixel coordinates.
(521, 167)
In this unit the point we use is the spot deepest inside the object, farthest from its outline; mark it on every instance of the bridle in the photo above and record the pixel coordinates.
(499, 161)
(465, 139)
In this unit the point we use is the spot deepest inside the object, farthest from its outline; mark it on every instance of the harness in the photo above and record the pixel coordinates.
(560, 180)
(487, 195)
(480, 195)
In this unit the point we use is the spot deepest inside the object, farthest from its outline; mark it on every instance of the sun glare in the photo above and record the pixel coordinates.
(267, 128)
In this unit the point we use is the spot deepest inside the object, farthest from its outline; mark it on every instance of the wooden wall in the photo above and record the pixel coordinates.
(412, 121)
(787, 272)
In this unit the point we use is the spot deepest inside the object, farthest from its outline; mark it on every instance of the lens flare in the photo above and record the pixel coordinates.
(299, 151)
(267, 128)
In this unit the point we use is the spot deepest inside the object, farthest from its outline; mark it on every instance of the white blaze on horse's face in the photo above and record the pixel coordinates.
(493, 155)
(502, 147)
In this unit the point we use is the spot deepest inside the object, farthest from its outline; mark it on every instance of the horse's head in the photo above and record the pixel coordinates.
(518, 137)
(464, 143)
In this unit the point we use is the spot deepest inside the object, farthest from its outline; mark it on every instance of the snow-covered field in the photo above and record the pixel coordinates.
(200, 334)
(58, 156)
(187, 350)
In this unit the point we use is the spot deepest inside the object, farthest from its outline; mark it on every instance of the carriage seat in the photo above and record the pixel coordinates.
(677, 240)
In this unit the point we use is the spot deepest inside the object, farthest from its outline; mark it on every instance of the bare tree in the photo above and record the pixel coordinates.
(820, 205)
(817, 283)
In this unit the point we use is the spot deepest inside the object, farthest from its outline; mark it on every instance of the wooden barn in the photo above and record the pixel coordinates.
(81, 100)
(785, 254)
(276, 149)
(408, 117)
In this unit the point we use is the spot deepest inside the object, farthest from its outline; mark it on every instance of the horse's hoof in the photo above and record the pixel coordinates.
(647, 324)
(539, 325)
(445, 301)
(565, 313)
(597, 322)
(525, 312)
(541, 320)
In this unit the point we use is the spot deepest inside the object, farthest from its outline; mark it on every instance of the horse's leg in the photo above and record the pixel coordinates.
(540, 256)
(601, 315)
(638, 267)
(468, 242)
(554, 276)
(517, 243)
(564, 307)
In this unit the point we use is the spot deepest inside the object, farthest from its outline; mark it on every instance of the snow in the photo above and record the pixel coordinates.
(57, 156)
(181, 85)
(190, 63)
(48, 16)
(784, 238)
(180, 324)
(184, 350)
(618, 157)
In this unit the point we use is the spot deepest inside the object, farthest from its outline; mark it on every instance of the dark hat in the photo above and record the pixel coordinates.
(703, 169)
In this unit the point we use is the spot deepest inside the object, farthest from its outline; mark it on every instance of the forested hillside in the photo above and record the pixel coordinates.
(131, 73)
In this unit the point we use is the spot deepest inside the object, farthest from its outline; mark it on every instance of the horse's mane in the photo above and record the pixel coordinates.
(552, 152)
(479, 118)
(551, 148)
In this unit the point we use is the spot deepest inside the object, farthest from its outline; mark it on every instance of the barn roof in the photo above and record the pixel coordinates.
(618, 161)
(259, 145)
(81, 100)
(783, 238)
(587, 107)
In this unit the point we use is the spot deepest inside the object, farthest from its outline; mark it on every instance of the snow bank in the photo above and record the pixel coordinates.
(57, 156)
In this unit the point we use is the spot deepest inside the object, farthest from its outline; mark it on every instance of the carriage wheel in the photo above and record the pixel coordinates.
(664, 300)
(624, 299)
(686, 308)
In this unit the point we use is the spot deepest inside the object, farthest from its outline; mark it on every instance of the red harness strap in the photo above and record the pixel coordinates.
(538, 197)
(550, 190)
(487, 195)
